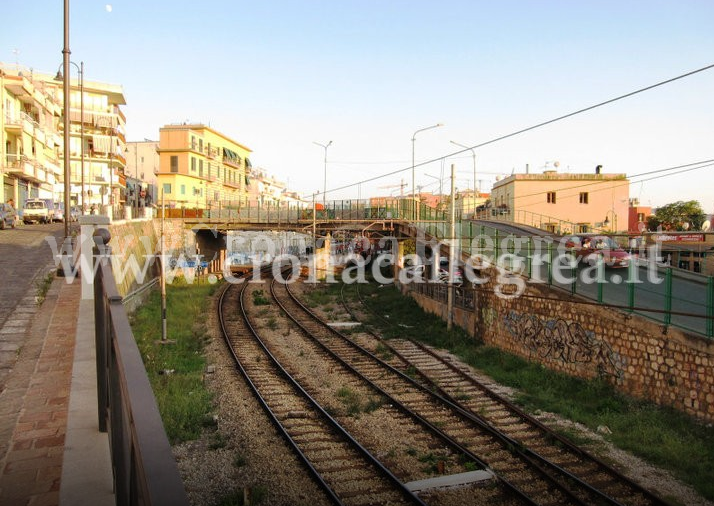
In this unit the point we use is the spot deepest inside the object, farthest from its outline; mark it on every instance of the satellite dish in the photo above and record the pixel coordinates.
(556, 164)
(641, 226)
(685, 225)
(706, 225)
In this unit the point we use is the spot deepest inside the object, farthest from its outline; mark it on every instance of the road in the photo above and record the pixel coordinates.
(25, 257)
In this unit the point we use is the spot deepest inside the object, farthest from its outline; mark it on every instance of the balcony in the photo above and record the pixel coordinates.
(25, 167)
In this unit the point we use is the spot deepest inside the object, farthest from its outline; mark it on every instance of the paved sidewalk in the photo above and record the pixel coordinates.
(48, 418)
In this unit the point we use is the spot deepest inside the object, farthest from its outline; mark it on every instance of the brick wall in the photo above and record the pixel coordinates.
(136, 239)
(572, 335)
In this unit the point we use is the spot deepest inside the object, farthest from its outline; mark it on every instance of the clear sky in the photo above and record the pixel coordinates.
(278, 76)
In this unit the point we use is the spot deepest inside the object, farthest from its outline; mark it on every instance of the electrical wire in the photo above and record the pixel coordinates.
(528, 129)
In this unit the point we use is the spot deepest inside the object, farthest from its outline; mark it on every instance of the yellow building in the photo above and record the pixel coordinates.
(200, 168)
(32, 144)
(30, 111)
(565, 202)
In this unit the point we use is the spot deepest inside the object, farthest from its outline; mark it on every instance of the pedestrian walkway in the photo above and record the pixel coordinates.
(51, 452)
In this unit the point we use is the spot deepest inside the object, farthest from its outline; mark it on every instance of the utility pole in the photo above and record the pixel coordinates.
(452, 255)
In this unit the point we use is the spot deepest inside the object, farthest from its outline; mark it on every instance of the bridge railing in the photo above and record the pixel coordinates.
(287, 212)
(145, 472)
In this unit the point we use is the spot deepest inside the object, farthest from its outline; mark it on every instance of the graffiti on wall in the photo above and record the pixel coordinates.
(488, 316)
(568, 342)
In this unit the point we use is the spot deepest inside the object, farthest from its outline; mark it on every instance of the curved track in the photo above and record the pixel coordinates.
(571, 465)
(530, 474)
(348, 473)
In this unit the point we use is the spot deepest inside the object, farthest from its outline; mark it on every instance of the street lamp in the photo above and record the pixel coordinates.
(324, 187)
(613, 228)
(416, 205)
(65, 98)
(60, 77)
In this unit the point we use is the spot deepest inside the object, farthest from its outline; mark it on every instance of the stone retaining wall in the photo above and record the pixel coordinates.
(575, 336)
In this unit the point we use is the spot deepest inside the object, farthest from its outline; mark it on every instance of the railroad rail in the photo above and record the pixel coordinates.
(538, 442)
(344, 469)
(517, 470)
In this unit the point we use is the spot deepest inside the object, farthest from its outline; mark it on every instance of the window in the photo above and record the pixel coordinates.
(193, 142)
(183, 189)
(174, 163)
(216, 196)
(550, 197)
(583, 197)
(697, 267)
(193, 164)
(200, 145)
(200, 168)
(640, 216)
(167, 188)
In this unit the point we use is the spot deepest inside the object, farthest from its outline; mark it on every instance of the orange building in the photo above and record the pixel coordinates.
(566, 202)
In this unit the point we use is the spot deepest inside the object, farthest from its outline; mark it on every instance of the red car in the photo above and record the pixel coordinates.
(590, 248)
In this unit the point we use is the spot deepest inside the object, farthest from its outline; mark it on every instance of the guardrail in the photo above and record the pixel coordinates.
(145, 472)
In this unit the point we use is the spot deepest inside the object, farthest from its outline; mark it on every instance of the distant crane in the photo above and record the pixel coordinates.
(400, 186)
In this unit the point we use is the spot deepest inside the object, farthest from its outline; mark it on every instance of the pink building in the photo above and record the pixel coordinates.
(566, 202)
(637, 215)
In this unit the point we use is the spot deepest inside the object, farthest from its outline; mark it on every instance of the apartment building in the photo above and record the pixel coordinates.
(29, 136)
(264, 189)
(32, 145)
(201, 168)
(142, 167)
(580, 202)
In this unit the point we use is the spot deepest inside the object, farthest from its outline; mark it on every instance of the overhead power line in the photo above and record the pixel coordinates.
(533, 127)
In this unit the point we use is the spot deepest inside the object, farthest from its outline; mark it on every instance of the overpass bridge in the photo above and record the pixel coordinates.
(529, 241)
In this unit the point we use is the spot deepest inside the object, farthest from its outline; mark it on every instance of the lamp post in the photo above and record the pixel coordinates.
(613, 227)
(416, 206)
(65, 98)
(60, 77)
(324, 185)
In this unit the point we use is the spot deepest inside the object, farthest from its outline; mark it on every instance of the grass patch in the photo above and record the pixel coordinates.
(42, 286)
(184, 402)
(353, 403)
(255, 495)
(664, 437)
(259, 298)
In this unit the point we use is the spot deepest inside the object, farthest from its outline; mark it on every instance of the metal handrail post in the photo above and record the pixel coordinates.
(631, 286)
(668, 296)
(710, 306)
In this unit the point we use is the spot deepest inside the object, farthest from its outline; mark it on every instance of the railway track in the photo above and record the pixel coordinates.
(574, 467)
(347, 472)
(524, 473)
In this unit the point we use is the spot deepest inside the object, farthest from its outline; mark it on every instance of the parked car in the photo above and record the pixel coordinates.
(36, 210)
(420, 272)
(58, 214)
(7, 216)
(589, 248)
(443, 276)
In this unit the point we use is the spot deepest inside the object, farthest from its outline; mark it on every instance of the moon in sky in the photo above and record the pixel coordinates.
(108, 7)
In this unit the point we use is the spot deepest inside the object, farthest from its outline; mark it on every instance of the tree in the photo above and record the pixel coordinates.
(678, 215)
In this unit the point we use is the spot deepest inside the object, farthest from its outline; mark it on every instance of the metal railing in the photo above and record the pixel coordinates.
(670, 296)
(145, 472)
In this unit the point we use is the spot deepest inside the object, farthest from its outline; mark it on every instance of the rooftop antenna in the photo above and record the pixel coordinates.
(16, 51)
